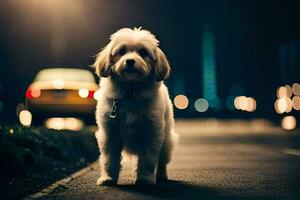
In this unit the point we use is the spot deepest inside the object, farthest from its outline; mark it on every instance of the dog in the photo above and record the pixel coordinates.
(134, 112)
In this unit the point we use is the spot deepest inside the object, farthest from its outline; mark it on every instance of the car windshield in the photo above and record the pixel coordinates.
(65, 74)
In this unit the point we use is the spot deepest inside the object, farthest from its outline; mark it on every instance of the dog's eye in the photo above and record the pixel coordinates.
(143, 53)
(122, 52)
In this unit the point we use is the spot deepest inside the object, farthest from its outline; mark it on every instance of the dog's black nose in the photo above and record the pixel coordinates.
(130, 62)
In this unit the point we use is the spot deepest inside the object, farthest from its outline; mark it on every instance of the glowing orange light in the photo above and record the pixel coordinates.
(280, 105)
(181, 102)
(288, 90)
(245, 103)
(35, 93)
(281, 92)
(69, 123)
(289, 105)
(296, 89)
(289, 123)
(237, 103)
(276, 106)
(251, 104)
(296, 102)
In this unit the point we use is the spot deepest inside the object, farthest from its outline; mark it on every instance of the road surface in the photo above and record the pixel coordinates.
(212, 161)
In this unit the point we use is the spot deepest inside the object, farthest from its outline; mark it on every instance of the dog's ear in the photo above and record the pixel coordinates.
(102, 62)
(162, 67)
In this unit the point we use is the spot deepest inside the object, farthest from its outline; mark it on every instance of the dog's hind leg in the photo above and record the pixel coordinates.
(110, 158)
(165, 157)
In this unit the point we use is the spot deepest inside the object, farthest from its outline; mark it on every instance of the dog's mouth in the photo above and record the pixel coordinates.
(131, 73)
(131, 70)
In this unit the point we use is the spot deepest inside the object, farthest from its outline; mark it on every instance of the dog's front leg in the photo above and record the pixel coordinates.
(147, 164)
(110, 158)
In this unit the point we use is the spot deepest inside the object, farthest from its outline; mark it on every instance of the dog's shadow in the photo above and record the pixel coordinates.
(171, 189)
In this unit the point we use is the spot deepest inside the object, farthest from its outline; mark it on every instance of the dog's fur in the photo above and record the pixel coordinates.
(132, 68)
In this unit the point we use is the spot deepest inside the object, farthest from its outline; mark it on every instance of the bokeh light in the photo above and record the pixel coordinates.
(201, 105)
(237, 103)
(69, 123)
(283, 105)
(281, 92)
(181, 102)
(25, 118)
(251, 107)
(289, 105)
(286, 102)
(296, 89)
(83, 93)
(288, 90)
(276, 106)
(245, 103)
(97, 95)
(289, 123)
(35, 93)
(296, 102)
(280, 105)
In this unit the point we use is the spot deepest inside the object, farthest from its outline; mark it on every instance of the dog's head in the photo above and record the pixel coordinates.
(131, 55)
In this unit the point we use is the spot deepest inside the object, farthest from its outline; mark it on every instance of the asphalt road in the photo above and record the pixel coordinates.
(230, 160)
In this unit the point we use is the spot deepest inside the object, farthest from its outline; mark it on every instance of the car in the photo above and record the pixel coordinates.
(62, 92)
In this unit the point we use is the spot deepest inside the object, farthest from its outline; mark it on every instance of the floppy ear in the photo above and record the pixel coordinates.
(102, 62)
(162, 67)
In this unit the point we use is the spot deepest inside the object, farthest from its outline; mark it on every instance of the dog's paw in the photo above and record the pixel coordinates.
(106, 181)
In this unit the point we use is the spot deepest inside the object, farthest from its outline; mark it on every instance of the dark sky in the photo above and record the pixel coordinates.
(248, 36)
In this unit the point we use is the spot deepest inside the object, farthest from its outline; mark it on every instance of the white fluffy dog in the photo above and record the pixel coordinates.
(134, 111)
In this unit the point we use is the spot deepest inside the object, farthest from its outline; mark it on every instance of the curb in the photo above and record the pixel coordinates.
(61, 183)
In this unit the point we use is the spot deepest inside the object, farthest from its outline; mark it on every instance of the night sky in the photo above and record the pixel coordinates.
(257, 44)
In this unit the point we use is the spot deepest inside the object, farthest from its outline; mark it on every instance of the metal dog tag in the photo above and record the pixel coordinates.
(113, 113)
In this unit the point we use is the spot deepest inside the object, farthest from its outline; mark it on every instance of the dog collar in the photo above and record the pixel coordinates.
(114, 108)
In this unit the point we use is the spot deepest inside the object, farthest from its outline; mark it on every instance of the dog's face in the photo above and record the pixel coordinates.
(132, 55)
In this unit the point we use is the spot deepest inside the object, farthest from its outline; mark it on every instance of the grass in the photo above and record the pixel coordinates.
(32, 158)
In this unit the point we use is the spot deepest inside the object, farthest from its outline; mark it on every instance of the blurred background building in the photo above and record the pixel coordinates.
(218, 49)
